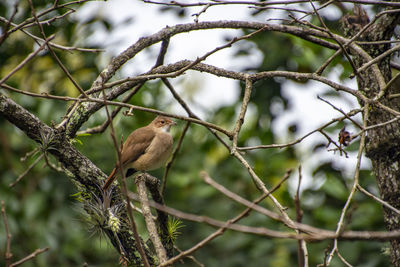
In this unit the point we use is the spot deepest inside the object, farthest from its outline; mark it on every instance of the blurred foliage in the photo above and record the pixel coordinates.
(42, 210)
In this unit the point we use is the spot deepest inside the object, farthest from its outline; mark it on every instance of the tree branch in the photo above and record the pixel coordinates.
(86, 176)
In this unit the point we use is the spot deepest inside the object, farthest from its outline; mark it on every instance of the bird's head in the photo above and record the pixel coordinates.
(163, 123)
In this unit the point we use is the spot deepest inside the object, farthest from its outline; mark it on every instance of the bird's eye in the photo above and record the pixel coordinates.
(162, 122)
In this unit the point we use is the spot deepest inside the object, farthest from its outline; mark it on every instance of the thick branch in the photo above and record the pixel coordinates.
(151, 226)
(84, 174)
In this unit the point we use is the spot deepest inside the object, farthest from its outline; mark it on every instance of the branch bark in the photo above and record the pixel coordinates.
(383, 143)
(85, 175)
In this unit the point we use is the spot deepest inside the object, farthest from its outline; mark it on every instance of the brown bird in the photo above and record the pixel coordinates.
(145, 149)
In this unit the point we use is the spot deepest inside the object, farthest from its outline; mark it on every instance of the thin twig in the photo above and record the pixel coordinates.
(162, 53)
(53, 53)
(261, 186)
(136, 88)
(8, 255)
(377, 126)
(49, 21)
(190, 257)
(346, 44)
(319, 129)
(8, 23)
(344, 260)
(318, 234)
(379, 58)
(302, 253)
(26, 60)
(221, 230)
(174, 155)
(204, 175)
(384, 203)
(104, 126)
(341, 111)
(40, 40)
(49, 164)
(190, 113)
(30, 256)
(279, 217)
(342, 48)
(243, 109)
(26, 171)
(30, 153)
(197, 15)
(340, 223)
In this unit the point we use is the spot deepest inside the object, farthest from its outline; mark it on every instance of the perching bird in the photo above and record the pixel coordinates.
(145, 149)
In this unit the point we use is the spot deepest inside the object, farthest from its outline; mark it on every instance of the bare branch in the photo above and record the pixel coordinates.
(23, 62)
(174, 155)
(30, 256)
(151, 226)
(221, 230)
(8, 23)
(131, 107)
(319, 129)
(8, 254)
(243, 109)
(384, 203)
(319, 235)
(22, 175)
(52, 52)
(340, 225)
(302, 252)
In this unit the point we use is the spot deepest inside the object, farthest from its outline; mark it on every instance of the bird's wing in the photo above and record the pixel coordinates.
(136, 144)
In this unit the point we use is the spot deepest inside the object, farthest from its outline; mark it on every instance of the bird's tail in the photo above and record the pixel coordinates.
(110, 179)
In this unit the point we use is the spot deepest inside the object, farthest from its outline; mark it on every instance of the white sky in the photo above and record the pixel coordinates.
(211, 91)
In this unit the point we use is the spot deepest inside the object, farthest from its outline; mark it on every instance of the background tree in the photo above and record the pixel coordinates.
(62, 115)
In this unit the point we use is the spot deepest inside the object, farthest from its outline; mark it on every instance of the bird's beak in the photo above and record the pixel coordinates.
(173, 123)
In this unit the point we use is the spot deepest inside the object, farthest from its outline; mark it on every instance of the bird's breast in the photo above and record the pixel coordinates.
(156, 154)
